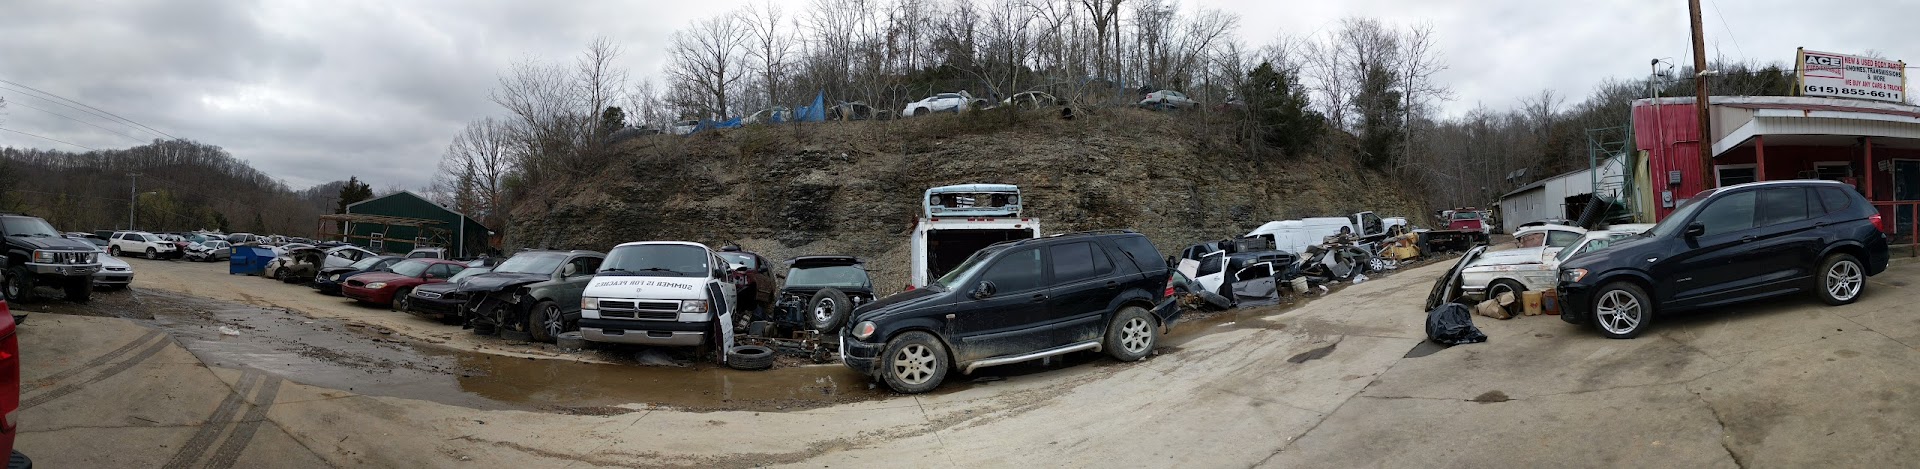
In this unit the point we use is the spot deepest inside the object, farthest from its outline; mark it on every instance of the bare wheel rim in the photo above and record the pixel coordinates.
(913, 364)
(1844, 280)
(1136, 335)
(551, 318)
(823, 311)
(1619, 312)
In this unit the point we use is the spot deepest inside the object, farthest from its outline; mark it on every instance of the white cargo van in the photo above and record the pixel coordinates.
(669, 293)
(960, 220)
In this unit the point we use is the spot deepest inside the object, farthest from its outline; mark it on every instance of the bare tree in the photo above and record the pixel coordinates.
(708, 57)
(771, 47)
(475, 168)
(543, 100)
(1420, 64)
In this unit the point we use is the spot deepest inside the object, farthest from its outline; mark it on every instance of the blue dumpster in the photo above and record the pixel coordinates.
(250, 260)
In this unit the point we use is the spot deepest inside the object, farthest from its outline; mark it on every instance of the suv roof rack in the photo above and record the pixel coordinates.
(1072, 234)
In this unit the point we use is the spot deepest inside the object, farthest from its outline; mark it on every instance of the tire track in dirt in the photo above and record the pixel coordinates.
(229, 451)
(90, 364)
(108, 372)
(216, 423)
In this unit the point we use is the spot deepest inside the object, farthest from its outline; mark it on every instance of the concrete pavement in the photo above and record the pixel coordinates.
(1327, 384)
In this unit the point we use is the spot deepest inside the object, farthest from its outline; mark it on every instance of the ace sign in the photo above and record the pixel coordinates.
(1847, 76)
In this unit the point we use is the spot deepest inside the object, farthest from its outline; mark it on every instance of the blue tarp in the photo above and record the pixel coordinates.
(817, 112)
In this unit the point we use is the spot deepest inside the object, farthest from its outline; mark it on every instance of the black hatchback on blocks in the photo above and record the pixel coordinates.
(1017, 301)
(1729, 245)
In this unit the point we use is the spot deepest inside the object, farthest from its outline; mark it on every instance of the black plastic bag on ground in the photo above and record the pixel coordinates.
(1452, 324)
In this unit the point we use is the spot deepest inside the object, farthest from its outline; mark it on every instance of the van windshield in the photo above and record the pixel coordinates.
(657, 260)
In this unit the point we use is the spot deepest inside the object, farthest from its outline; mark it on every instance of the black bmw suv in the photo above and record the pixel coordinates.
(1017, 301)
(1729, 245)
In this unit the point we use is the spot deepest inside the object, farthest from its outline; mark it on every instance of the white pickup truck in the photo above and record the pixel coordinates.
(960, 220)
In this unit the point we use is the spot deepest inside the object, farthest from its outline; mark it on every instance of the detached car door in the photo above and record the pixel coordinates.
(1002, 323)
(1212, 272)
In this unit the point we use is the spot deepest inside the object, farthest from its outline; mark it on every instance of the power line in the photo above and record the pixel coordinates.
(63, 98)
(68, 106)
(64, 116)
(1723, 25)
(45, 138)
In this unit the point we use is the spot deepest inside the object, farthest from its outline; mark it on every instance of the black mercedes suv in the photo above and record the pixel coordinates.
(1729, 245)
(1016, 301)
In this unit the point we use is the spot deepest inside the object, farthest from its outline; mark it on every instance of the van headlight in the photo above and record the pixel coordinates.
(1572, 275)
(863, 330)
(693, 306)
(588, 302)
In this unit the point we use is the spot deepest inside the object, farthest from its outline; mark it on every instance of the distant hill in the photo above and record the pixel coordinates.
(183, 185)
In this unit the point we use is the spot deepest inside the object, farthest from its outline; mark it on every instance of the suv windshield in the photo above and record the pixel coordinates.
(1466, 215)
(532, 263)
(965, 270)
(411, 268)
(1673, 221)
(656, 260)
(27, 226)
(828, 276)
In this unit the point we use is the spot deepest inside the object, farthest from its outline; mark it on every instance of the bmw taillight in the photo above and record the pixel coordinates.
(1878, 224)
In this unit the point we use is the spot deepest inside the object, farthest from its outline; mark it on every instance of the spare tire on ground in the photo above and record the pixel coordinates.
(750, 357)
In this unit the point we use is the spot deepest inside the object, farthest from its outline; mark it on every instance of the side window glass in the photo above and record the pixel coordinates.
(1728, 214)
(1072, 262)
(1561, 239)
(1529, 240)
(1212, 264)
(437, 271)
(1016, 272)
(1834, 199)
(1782, 205)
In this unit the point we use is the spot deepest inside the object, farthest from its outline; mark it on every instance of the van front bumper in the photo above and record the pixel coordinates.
(663, 333)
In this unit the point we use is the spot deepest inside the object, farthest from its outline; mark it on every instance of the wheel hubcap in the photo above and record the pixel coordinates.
(1844, 280)
(1618, 312)
(553, 321)
(913, 364)
(824, 311)
(1136, 335)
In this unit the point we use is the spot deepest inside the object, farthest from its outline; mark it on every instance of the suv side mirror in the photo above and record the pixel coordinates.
(568, 270)
(983, 291)
(1695, 230)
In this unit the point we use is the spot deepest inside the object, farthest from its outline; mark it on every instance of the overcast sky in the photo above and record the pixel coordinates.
(312, 91)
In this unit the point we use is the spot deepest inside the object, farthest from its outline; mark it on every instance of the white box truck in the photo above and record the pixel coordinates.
(960, 220)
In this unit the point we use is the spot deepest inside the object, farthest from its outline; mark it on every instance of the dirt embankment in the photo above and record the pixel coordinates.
(854, 188)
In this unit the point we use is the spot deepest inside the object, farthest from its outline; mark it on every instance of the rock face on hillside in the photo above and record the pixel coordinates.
(855, 187)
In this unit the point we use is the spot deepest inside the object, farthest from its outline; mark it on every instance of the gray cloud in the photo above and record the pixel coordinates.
(315, 91)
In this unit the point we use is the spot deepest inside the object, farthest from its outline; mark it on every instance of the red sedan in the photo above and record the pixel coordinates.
(384, 287)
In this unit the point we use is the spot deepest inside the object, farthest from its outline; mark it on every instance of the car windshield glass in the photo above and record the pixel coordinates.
(411, 268)
(965, 270)
(828, 276)
(656, 260)
(532, 263)
(27, 226)
(365, 264)
(1674, 220)
(739, 258)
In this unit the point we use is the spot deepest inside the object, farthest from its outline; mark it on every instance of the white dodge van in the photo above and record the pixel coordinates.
(669, 293)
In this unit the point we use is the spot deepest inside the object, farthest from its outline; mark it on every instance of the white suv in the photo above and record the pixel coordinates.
(140, 242)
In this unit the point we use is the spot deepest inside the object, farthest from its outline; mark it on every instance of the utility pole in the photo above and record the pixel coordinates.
(1707, 179)
(133, 197)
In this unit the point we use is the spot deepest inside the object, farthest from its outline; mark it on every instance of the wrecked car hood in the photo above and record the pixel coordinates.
(638, 287)
(497, 281)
